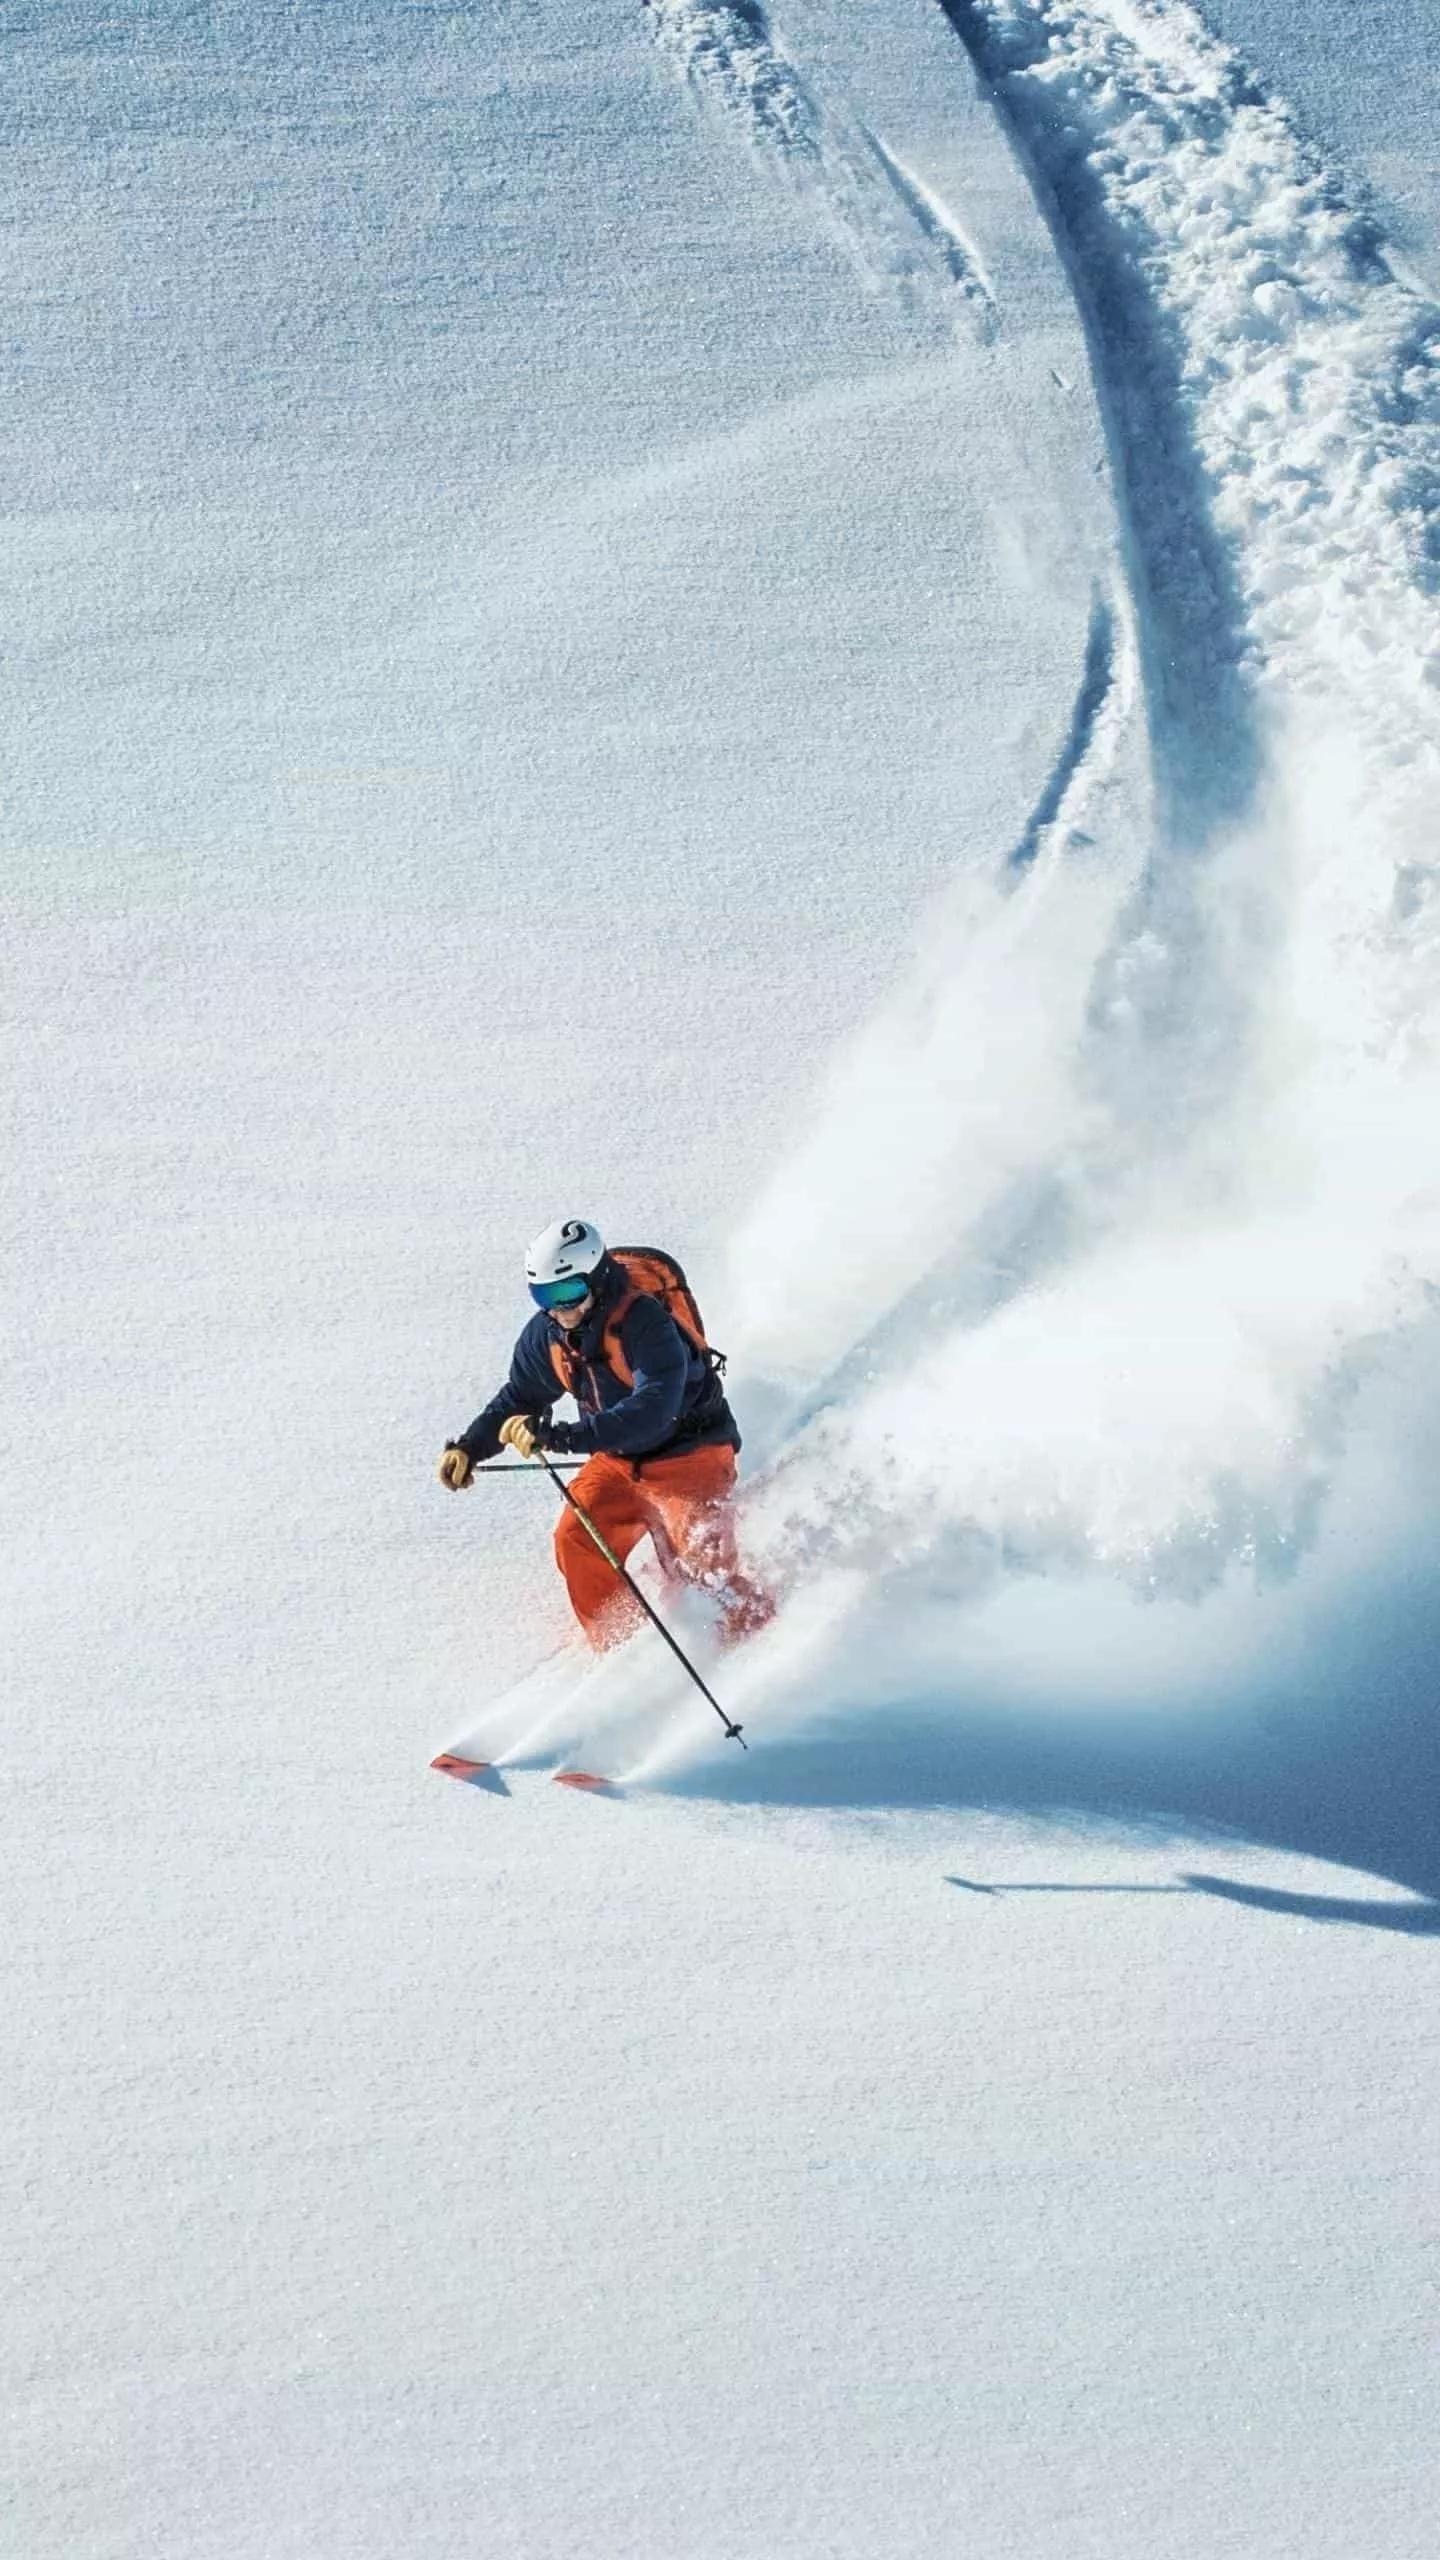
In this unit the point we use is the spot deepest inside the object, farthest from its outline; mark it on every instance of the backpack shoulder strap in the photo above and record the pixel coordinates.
(612, 1348)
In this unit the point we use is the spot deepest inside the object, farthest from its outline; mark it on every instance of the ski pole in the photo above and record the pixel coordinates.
(732, 1731)
(572, 1466)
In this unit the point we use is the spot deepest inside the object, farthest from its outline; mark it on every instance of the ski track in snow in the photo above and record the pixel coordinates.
(956, 255)
(1065, 812)
(1271, 386)
(901, 235)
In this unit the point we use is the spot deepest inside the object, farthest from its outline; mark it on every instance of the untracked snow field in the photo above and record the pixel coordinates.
(816, 634)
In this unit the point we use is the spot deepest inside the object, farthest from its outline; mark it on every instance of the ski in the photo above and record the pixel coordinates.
(484, 1773)
(469, 1772)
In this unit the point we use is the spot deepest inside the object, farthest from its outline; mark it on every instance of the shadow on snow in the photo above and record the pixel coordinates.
(1410, 1919)
(1335, 1758)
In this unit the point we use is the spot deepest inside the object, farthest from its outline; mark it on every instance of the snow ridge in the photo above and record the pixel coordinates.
(897, 230)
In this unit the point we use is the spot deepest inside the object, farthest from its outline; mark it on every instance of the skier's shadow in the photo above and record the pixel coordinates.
(1335, 1759)
(1410, 1919)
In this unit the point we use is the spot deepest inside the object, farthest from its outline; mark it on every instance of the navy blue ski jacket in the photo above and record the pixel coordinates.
(676, 1402)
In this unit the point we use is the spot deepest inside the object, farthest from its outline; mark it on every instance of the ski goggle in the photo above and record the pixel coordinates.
(559, 1293)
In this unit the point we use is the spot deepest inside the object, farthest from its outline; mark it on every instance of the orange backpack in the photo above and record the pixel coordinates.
(649, 1273)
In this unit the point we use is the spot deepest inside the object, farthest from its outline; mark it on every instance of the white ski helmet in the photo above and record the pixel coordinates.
(570, 1250)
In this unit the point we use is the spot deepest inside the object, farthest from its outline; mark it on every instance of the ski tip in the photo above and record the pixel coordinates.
(450, 1765)
(587, 1779)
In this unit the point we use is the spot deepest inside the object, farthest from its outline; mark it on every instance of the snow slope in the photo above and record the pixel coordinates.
(816, 634)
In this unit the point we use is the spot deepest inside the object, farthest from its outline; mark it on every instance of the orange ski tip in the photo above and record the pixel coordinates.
(584, 1778)
(452, 1766)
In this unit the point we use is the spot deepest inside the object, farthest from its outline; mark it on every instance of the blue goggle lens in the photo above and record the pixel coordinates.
(558, 1293)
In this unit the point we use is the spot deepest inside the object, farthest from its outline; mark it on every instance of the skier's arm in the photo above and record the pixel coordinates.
(531, 1388)
(659, 1357)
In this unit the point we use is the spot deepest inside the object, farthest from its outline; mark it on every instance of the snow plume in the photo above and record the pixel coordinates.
(1096, 1221)
(931, 1157)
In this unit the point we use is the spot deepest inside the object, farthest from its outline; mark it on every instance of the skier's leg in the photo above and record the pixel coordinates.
(606, 1609)
(692, 1494)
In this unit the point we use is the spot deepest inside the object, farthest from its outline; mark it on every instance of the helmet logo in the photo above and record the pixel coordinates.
(570, 1248)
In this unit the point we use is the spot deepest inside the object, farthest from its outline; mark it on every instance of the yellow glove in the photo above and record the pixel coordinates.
(456, 1469)
(517, 1434)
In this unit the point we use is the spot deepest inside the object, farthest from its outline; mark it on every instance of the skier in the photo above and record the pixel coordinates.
(621, 1333)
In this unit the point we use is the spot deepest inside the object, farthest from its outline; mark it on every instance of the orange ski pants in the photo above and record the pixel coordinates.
(682, 1504)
